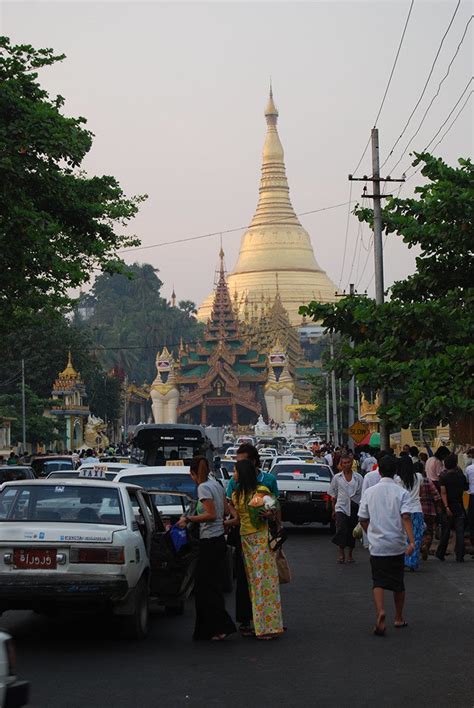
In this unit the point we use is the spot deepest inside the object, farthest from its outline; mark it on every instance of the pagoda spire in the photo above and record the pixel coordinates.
(223, 321)
(274, 205)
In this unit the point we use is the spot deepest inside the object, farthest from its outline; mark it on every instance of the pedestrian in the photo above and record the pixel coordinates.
(243, 603)
(469, 472)
(430, 500)
(13, 458)
(384, 514)
(411, 481)
(345, 490)
(260, 561)
(453, 484)
(368, 462)
(434, 465)
(212, 619)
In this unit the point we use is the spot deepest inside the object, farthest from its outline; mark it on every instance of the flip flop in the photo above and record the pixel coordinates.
(341, 561)
(401, 625)
(350, 560)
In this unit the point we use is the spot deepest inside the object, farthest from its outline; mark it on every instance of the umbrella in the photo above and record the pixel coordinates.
(375, 440)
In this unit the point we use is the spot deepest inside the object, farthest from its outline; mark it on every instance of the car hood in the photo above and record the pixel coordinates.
(47, 532)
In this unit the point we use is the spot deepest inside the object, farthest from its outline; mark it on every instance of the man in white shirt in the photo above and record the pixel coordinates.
(345, 490)
(469, 472)
(384, 513)
(368, 463)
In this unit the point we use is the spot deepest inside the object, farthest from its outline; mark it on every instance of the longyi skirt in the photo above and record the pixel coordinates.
(388, 572)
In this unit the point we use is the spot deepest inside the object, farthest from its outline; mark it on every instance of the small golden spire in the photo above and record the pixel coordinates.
(69, 371)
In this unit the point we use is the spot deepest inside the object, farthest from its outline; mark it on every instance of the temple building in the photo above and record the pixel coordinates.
(249, 363)
(276, 254)
(68, 402)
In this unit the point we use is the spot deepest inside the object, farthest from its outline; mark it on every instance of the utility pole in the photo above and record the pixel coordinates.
(351, 414)
(328, 414)
(23, 404)
(334, 399)
(378, 246)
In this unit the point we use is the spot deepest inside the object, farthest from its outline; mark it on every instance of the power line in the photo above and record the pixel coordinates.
(221, 232)
(435, 95)
(446, 131)
(347, 232)
(388, 84)
(424, 87)
(394, 63)
(449, 115)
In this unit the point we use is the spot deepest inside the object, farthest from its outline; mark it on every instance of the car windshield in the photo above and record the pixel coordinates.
(304, 473)
(54, 465)
(11, 474)
(61, 502)
(175, 482)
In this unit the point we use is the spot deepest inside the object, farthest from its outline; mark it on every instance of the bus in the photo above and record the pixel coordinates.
(173, 444)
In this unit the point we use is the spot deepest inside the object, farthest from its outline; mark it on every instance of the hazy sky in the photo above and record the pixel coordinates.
(175, 93)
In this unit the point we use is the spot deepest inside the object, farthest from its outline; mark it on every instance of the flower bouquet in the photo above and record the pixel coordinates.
(258, 503)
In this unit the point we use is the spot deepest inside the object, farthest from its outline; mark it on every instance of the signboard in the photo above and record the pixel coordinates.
(174, 463)
(295, 407)
(358, 431)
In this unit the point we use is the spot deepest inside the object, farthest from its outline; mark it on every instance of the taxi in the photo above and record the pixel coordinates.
(89, 544)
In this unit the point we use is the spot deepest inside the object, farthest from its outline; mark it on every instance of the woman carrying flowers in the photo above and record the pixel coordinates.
(254, 505)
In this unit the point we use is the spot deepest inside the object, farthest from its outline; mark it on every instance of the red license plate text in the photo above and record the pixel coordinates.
(35, 558)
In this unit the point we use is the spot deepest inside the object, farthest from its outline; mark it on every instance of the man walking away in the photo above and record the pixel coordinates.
(430, 505)
(453, 484)
(345, 490)
(384, 513)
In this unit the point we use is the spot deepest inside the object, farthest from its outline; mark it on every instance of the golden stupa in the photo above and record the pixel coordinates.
(276, 252)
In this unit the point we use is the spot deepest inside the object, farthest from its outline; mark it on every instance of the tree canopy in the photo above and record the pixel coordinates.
(56, 224)
(418, 345)
(127, 321)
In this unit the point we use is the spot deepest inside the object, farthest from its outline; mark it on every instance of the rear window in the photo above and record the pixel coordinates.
(11, 474)
(174, 481)
(63, 503)
(63, 474)
(309, 473)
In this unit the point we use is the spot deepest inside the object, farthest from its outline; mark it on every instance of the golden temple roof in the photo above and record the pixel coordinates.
(69, 372)
(275, 244)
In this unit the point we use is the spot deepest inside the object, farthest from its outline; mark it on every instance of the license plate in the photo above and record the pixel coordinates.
(35, 558)
(298, 497)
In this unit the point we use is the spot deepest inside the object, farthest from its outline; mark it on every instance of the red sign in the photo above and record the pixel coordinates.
(35, 558)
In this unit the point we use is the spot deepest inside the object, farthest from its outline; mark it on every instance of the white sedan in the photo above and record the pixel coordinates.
(304, 491)
(88, 544)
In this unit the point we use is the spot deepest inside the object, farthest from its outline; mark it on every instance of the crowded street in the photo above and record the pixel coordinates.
(328, 655)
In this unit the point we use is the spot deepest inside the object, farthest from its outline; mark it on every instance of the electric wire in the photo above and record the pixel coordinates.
(347, 232)
(424, 87)
(434, 97)
(222, 232)
(388, 85)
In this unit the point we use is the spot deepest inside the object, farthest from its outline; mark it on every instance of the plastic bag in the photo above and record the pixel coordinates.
(179, 537)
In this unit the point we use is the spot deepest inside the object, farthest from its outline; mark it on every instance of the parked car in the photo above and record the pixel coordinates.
(283, 458)
(89, 544)
(304, 492)
(13, 693)
(10, 473)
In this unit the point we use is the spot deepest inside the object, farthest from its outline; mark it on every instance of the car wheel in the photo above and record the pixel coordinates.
(174, 610)
(228, 579)
(135, 626)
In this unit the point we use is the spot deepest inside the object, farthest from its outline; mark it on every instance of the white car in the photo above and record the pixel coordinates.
(88, 544)
(284, 458)
(304, 491)
(173, 479)
(13, 693)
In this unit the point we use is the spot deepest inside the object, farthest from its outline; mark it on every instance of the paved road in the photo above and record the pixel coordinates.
(328, 657)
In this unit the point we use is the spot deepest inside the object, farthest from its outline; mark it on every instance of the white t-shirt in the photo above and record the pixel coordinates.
(344, 492)
(469, 472)
(383, 505)
(414, 493)
(370, 479)
(368, 463)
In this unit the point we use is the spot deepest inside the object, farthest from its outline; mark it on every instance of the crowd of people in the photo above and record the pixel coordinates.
(399, 504)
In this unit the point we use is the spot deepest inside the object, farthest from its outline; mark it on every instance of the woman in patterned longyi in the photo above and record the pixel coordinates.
(260, 563)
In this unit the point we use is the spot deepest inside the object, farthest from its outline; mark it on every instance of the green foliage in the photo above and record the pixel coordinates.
(43, 342)
(56, 224)
(127, 321)
(419, 344)
(39, 429)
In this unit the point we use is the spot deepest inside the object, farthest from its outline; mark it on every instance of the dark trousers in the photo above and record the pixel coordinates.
(211, 616)
(471, 518)
(243, 604)
(448, 523)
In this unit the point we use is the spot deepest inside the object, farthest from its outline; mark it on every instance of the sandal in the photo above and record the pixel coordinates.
(268, 637)
(218, 637)
(400, 625)
(341, 561)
